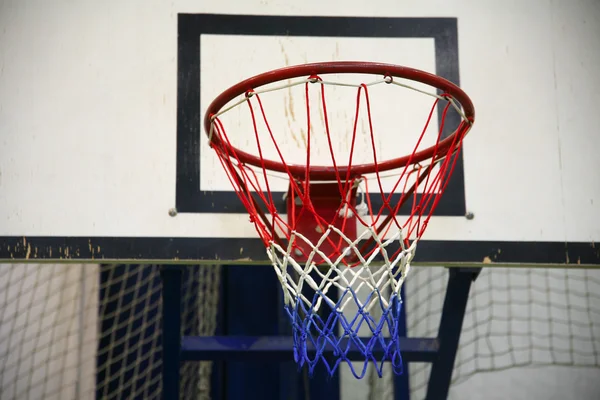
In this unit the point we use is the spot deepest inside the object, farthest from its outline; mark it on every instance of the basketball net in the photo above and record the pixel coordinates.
(345, 247)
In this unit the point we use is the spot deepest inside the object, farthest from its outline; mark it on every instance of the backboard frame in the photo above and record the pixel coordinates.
(190, 197)
(171, 250)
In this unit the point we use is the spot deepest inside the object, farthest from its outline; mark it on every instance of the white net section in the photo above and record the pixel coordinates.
(90, 331)
(377, 283)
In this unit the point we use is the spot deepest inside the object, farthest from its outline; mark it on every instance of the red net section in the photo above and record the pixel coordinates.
(341, 209)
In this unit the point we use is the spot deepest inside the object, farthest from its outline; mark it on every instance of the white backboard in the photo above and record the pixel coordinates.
(101, 108)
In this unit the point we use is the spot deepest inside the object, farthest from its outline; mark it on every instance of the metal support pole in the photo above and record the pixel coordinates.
(171, 330)
(440, 351)
(453, 313)
(402, 382)
(279, 348)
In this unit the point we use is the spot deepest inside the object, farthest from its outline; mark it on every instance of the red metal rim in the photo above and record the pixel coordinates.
(318, 172)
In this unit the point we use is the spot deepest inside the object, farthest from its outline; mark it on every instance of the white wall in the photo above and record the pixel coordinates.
(549, 383)
(47, 341)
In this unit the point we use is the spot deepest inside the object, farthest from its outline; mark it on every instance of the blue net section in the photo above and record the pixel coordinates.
(316, 331)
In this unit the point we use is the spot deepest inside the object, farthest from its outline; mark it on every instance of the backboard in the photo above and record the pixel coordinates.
(103, 154)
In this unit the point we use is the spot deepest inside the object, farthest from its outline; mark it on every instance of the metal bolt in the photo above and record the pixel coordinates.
(298, 252)
(173, 212)
(469, 215)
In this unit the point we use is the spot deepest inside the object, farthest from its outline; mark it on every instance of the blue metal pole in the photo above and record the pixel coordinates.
(171, 330)
(279, 348)
(453, 313)
(292, 385)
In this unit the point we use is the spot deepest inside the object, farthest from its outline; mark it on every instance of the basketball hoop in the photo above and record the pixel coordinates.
(332, 252)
